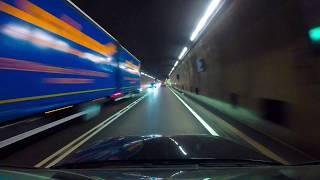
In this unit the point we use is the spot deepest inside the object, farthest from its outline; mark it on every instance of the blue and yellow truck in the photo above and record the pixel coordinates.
(53, 55)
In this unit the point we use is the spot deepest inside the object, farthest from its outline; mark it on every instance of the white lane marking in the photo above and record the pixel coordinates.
(20, 122)
(66, 150)
(259, 147)
(211, 131)
(32, 132)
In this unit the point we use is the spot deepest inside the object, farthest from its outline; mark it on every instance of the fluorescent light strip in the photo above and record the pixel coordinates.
(211, 10)
(175, 64)
(204, 20)
(147, 75)
(183, 52)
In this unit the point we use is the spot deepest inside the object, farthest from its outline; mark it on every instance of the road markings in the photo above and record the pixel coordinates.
(69, 148)
(211, 131)
(32, 132)
(259, 147)
(20, 122)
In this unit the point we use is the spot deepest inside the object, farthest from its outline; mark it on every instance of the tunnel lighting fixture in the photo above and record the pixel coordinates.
(147, 75)
(212, 8)
(183, 52)
(175, 64)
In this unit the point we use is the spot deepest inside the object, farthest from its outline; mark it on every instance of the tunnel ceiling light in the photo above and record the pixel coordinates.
(175, 64)
(147, 75)
(170, 72)
(204, 20)
(183, 52)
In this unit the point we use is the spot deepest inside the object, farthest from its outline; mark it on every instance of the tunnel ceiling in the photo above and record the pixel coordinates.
(155, 31)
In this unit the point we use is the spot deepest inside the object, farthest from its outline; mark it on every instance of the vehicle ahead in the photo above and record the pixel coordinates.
(54, 55)
(153, 85)
(155, 156)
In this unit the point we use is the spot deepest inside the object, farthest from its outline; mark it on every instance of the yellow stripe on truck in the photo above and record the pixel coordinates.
(51, 95)
(47, 21)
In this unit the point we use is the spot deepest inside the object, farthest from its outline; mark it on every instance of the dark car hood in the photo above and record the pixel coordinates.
(157, 147)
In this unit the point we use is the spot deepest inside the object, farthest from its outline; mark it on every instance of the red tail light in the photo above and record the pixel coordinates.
(116, 95)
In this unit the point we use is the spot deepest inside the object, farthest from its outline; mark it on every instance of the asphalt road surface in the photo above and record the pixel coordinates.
(157, 111)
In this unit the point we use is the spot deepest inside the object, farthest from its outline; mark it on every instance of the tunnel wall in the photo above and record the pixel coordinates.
(257, 55)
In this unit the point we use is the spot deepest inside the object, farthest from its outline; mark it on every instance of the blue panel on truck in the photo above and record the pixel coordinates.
(129, 68)
(52, 55)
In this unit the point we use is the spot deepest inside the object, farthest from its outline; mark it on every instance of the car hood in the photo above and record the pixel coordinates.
(157, 147)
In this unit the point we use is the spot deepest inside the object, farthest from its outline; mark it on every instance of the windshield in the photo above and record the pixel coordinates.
(154, 82)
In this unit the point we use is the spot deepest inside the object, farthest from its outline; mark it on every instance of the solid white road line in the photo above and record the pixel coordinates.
(259, 147)
(32, 132)
(66, 150)
(203, 122)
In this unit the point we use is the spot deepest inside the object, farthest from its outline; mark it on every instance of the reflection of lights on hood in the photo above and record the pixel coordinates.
(182, 150)
(177, 173)
(180, 147)
(154, 135)
(174, 141)
(133, 143)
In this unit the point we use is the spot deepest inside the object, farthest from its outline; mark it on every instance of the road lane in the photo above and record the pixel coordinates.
(159, 113)
(37, 149)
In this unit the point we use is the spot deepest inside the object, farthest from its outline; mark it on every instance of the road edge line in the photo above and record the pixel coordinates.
(258, 146)
(199, 118)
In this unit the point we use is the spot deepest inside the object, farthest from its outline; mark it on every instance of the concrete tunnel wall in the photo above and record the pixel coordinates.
(257, 55)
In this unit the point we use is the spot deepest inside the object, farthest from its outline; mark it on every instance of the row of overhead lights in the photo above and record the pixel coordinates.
(210, 12)
(147, 75)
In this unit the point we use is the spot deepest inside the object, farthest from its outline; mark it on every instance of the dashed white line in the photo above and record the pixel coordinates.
(32, 132)
(69, 148)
